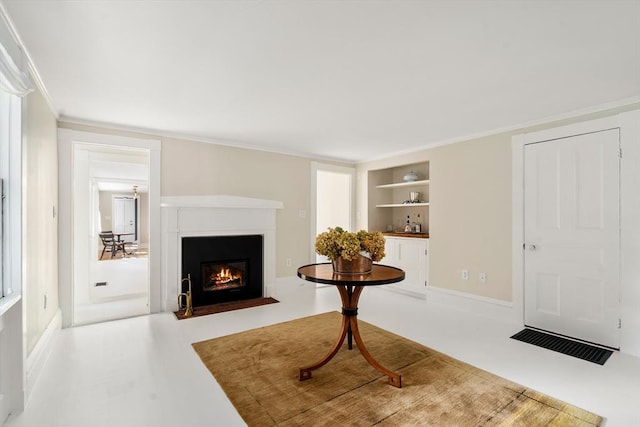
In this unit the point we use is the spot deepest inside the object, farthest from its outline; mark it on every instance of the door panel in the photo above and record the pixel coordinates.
(125, 217)
(572, 236)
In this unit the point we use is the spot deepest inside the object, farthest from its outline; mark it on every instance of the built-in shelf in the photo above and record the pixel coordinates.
(390, 196)
(404, 184)
(402, 205)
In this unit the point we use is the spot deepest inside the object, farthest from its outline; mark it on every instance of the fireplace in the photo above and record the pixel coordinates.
(215, 216)
(223, 268)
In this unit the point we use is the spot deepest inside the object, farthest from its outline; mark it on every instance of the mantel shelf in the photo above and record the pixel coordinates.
(404, 184)
(402, 205)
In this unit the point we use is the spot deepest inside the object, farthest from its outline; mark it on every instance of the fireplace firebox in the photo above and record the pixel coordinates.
(223, 268)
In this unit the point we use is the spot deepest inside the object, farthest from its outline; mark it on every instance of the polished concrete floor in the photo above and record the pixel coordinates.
(142, 371)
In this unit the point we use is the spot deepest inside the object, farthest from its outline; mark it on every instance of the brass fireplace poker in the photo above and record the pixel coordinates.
(188, 308)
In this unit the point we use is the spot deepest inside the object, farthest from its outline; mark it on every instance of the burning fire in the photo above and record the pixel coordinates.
(224, 276)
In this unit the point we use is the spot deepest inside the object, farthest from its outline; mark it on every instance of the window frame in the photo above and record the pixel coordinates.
(11, 217)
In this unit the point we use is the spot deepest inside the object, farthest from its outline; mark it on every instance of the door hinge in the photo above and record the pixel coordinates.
(620, 152)
(425, 283)
(619, 323)
(425, 251)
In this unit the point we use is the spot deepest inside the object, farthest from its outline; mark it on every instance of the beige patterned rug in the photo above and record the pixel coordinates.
(258, 370)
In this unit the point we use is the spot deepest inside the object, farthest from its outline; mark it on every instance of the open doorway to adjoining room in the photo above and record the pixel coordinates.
(111, 233)
(333, 200)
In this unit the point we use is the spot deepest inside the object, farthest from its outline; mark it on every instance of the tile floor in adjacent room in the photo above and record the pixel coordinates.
(142, 371)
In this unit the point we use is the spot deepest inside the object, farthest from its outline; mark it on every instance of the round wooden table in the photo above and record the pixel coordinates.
(350, 287)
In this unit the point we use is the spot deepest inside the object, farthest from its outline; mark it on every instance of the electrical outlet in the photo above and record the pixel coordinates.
(288, 262)
(302, 213)
(465, 274)
(483, 277)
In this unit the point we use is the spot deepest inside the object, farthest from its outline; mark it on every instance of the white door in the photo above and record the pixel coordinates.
(124, 217)
(572, 236)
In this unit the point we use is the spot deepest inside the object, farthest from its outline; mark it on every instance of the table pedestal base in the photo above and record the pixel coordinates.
(350, 295)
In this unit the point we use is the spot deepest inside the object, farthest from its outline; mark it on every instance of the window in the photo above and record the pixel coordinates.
(1, 239)
(10, 175)
(2, 291)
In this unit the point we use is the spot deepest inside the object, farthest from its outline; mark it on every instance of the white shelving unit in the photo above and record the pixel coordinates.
(402, 205)
(405, 184)
(389, 195)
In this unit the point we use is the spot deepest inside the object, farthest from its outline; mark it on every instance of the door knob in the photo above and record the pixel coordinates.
(530, 247)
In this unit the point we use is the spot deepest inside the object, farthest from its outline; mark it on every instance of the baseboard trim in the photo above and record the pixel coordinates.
(40, 353)
(399, 290)
(483, 306)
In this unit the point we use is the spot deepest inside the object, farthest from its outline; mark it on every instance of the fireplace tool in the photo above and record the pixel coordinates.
(188, 308)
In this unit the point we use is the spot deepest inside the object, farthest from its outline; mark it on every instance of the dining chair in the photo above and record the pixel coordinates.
(110, 243)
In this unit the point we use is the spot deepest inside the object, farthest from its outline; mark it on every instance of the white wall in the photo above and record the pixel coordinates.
(41, 226)
(469, 212)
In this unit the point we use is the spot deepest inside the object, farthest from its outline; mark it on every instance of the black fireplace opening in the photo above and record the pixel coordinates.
(223, 268)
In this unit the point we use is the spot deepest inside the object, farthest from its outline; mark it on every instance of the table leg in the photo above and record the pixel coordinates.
(349, 328)
(393, 378)
(345, 329)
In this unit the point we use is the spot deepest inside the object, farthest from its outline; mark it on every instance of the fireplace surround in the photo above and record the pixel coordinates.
(214, 216)
(223, 268)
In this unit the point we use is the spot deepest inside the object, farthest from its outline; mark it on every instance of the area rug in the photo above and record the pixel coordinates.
(226, 306)
(258, 370)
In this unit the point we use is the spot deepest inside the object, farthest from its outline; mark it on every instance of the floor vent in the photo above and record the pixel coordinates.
(566, 346)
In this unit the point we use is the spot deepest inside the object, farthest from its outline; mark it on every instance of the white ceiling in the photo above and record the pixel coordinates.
(350, 80)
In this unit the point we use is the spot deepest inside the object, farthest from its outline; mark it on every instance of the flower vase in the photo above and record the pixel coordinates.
(359, 265)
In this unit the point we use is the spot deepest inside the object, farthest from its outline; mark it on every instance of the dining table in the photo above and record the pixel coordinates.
(119, 236)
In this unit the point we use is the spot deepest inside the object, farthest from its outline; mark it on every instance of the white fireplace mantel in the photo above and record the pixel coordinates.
(214, 215)
(219, 201)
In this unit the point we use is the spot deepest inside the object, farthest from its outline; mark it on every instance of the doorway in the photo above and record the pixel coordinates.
(69, 199)
(333, 200)
(113, 285)
(572, 236)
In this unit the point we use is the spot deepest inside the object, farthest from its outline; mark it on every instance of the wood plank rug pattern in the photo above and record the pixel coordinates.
(226, 306)
(258, 370)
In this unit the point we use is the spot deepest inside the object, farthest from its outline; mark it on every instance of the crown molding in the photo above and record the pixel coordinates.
(522, 127)
(146, 132)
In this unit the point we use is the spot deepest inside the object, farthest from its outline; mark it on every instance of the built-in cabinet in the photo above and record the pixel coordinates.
(390, 202)
(411, 255)
(390, 206)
